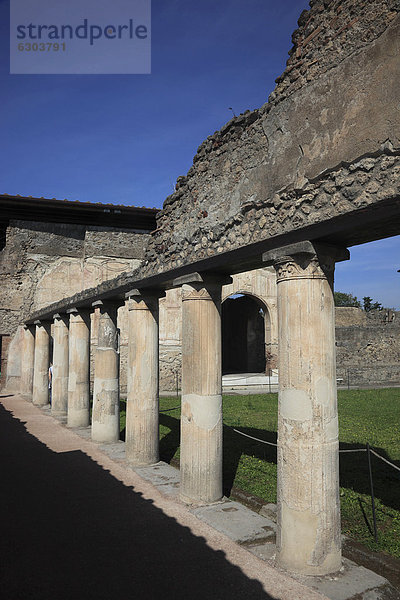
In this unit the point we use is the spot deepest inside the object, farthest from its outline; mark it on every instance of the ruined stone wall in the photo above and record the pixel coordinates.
(368, 346)
(346, 316)
(328, 33)
(327, 144)
(45, 262)
(369, 354)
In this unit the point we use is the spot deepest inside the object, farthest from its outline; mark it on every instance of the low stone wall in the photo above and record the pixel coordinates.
(369, 355)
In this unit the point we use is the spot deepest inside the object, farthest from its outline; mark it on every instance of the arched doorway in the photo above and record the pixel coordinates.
(245, 335)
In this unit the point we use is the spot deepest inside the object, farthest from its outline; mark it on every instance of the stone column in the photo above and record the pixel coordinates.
(27, 361)
(40, 395)
(308, 537)
(79, 363)
(105, 413)
(142, 435)
(59, 392)
(201, 418)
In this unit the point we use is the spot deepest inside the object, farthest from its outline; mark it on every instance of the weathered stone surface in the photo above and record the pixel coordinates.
(40, 394)
(327, 34)
(28, 359)
(368, 354)
(105, 411)
(201, 417)
(59, 400)
(43, 263)
(308, 535)
(142, 410)
(324, 150)
(349, 315)
(79, 369)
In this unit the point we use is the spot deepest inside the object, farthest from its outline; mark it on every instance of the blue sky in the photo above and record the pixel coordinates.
(125, 139)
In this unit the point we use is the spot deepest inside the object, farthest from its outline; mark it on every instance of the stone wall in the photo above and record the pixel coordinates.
(349, 315)
(326, 145)
(328, 33)
(369, 354)
(42, 263)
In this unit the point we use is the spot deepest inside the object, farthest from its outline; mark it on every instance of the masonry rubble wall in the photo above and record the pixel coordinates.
(325, 145)
(368, 354)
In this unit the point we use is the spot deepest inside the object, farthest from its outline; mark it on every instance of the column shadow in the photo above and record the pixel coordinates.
(353, 466)
(69, 529)
(170, 443)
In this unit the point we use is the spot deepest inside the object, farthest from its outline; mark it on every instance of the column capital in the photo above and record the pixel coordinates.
(203, 279)
(202, 286)
(78, 310)
(42, 323)
(144, 299)
(305, 260)
(140, 294)
(114, 303)
(60, 316)
(79, 314)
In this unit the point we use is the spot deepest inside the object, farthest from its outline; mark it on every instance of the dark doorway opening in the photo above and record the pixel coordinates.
(243, 335)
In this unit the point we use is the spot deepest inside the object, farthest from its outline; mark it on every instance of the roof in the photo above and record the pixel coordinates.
(28, 208)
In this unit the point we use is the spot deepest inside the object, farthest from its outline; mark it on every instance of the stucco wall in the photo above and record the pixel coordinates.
(42, 263)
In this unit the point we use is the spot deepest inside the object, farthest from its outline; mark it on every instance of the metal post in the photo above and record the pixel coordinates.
(372, 492)
(348, 379)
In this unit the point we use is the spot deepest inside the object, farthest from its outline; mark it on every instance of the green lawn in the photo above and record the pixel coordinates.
(364, 416)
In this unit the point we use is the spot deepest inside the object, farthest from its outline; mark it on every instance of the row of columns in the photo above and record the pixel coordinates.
(308, 539)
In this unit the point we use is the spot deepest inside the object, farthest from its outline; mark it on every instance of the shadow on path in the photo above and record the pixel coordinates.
(71, 530)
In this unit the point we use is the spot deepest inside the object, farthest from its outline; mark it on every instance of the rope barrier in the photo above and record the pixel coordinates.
(253, 438)
(170, 409)
(354, 450)
(384, 460)
(275, 445)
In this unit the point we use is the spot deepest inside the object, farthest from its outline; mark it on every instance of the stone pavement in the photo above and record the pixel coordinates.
(77, 522)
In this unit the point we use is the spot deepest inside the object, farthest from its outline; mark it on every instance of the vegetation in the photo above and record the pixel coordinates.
(345, 299)
(364, 416)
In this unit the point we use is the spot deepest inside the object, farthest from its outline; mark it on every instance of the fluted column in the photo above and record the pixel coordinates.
(59, 392)
(105, 413)
(40, 395)
(28, 360)
(308, 537)
(201, 417)
(79, 362)
(142, 435)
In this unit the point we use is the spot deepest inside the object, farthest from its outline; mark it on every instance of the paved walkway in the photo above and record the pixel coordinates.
(78, 524)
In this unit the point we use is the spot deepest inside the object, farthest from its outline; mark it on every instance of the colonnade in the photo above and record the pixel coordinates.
(308, 539)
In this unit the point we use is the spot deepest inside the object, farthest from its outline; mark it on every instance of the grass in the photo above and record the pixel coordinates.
(364, 416)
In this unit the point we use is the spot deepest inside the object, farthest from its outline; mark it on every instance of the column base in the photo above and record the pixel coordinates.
(331, 565)
(58, 413)
(192, 502)
(135, 463)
